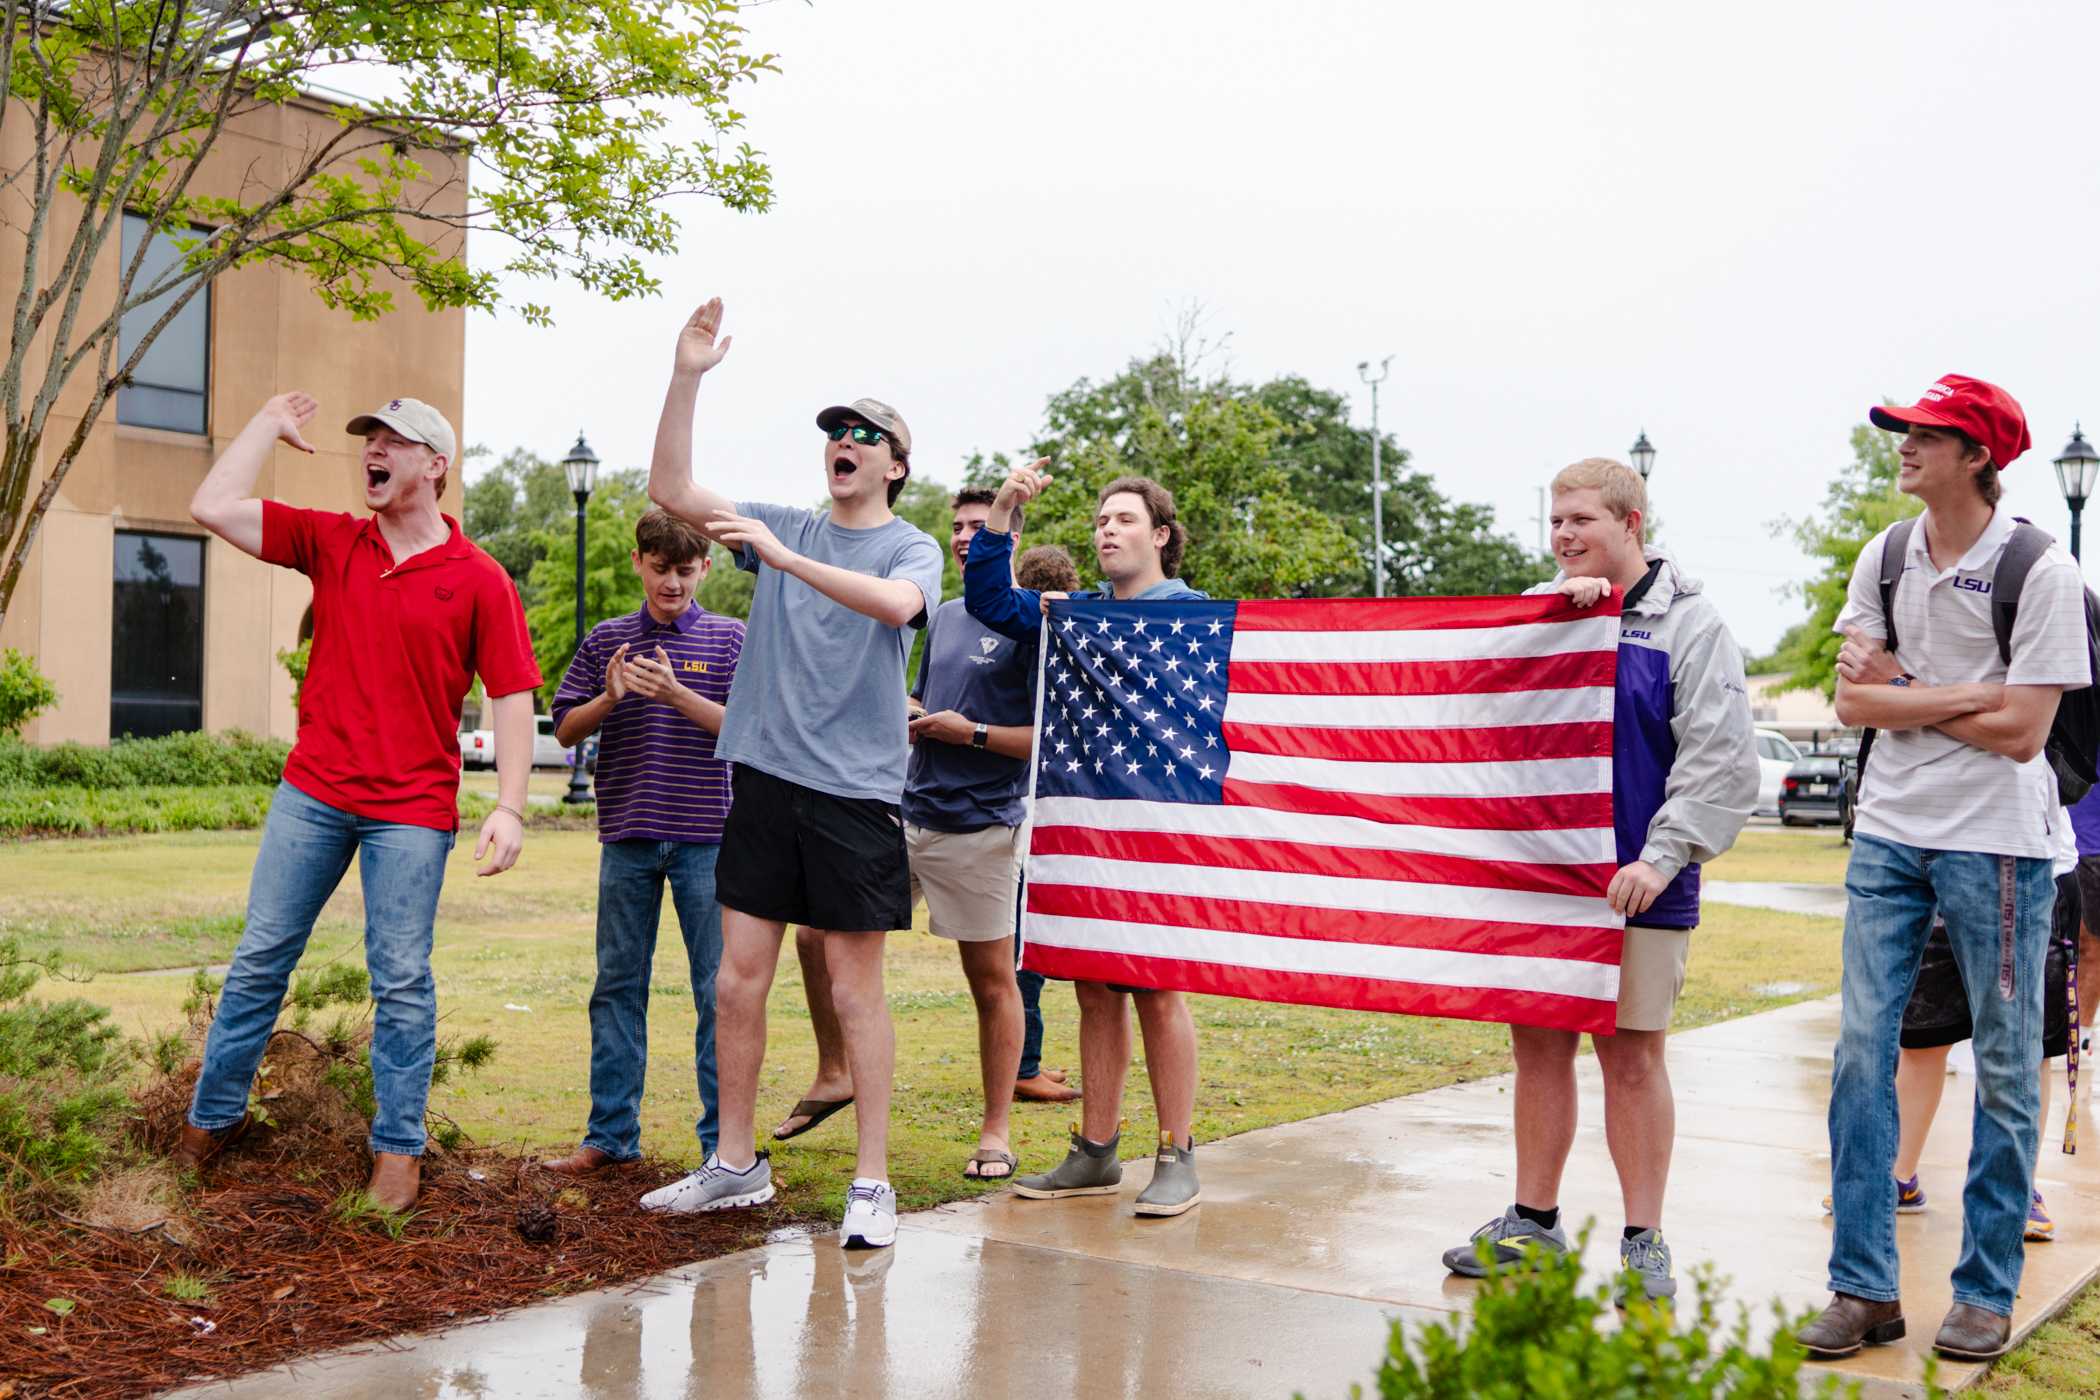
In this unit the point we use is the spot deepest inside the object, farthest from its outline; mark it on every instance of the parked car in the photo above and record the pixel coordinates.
(1775, 755)
(547, 751)
(1817, 790)
(477, 748)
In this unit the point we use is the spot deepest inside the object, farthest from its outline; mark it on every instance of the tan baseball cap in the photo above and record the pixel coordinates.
(413, 419)
(876, 414)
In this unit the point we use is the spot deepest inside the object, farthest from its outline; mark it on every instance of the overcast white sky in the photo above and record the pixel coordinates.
(1736, 227)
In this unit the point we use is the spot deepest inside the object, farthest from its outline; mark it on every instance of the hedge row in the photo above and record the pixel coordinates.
(193, 760)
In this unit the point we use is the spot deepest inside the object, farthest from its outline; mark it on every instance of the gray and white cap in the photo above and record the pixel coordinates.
(413, 419)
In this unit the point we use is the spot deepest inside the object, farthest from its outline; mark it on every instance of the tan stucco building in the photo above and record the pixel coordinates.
(142, 621)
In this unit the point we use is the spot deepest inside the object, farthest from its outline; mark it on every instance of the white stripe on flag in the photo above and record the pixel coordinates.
(1429, 644)
(1594, 845)
(1434, 966)
(1397, 897)
(1530, 777)
(1576, 705)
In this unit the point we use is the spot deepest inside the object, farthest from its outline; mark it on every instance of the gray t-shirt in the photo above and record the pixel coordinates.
(969, 668)
(819, 692)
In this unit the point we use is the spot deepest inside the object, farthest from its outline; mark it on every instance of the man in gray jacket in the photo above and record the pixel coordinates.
(1684, 778)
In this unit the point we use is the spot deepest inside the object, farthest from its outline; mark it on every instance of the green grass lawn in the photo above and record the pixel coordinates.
(1808, 855)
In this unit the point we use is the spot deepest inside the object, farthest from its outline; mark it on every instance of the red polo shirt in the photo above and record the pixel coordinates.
(395, 648)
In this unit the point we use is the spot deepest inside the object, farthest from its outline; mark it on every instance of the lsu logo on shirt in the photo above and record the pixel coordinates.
(1974, 583)
(699, 666)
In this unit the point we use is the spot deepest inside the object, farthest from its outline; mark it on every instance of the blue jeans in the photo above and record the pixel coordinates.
(1031, 984)
(1997, 910)
(306, 847)
(631, 876)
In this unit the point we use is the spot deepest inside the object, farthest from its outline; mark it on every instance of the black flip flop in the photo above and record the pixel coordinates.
(815, 1110)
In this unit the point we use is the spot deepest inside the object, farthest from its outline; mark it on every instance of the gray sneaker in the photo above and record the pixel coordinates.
(1649, 1258)
(1512, 1240)
(1089, 1169)
(715, 1187)
(1173, 1189)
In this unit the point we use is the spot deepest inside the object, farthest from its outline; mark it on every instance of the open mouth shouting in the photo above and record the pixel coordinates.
(377, 477)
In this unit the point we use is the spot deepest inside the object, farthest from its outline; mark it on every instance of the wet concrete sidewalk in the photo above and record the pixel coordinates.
(1827, 900)
(1309, 1238)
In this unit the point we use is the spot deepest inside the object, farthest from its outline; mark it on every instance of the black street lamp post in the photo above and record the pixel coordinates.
(1643, 454)
(2076, 468)
(581, 466)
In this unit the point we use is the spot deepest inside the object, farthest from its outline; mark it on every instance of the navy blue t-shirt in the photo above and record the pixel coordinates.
(989, 678)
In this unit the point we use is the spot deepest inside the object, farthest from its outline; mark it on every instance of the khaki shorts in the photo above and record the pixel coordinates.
(967, 879)
(1651, 974)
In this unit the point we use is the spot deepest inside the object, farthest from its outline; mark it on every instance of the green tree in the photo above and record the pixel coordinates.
(610, 585)
(25, 692)
(561, 113)
(512, 505)
(1320, 460)
(1861, 503)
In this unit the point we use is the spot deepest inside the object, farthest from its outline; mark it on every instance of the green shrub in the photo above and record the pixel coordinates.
(25, 692)
(73, 811)
(63, 1100)
(295, 661)
(1540, 1332)
(191, 760)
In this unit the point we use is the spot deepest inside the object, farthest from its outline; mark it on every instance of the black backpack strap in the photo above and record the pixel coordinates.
(2022, 552)
(1640, 590)
(1894, 551)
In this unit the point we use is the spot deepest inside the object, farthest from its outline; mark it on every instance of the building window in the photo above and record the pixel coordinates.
(171, 386)
(156, 664)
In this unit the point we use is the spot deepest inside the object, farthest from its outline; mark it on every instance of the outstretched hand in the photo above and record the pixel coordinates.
(286, 414)
(1022, 485)
(698, 350)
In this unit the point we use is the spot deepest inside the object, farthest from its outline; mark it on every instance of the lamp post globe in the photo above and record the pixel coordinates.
(1642, 454)
(581, 467)
(2077, 471)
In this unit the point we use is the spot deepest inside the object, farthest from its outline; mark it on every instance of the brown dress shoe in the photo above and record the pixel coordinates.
(1971, 1333)
(582, 1162)
(1850, 1323)
(198, 1146)
(396, 1178)
(1044, 1089)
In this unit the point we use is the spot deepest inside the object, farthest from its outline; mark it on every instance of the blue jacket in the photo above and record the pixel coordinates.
(992, 597)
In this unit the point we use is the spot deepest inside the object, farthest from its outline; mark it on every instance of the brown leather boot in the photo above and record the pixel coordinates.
(396, 1178)
(582, 1162)
(1971, 1333)
(198, 1146)
(1850, 1323)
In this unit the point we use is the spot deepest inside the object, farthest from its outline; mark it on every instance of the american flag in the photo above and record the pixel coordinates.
(1390, 805)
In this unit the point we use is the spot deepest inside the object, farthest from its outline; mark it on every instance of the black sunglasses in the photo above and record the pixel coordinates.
(862, 434)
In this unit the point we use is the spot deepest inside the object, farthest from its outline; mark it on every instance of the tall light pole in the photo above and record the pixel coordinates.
(1643, 454)
(1363, 368)
(2077, 466)
(581, 467)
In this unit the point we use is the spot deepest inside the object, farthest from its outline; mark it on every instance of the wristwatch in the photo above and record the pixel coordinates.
(1902, 680)
(979, 735)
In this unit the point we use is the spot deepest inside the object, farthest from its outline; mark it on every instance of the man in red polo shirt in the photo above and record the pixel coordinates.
(406, 612)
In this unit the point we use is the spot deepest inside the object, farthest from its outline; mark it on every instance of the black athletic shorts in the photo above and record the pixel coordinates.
(1938, 1012)
(2089, 887)
(806, 857)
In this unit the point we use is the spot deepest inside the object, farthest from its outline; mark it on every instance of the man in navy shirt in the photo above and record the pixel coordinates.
(652, 686)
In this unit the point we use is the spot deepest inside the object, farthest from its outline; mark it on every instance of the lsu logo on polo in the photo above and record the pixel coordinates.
(1973, 584)
(699, 666)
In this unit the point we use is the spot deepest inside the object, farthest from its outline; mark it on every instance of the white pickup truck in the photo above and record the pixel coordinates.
(477, 747)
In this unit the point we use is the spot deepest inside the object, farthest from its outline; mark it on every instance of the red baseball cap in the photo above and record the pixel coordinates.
(1984, 411)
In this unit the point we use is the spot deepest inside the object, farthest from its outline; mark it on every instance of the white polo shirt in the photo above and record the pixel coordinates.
(1923, 788)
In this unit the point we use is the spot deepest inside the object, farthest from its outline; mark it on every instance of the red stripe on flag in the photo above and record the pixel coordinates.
(1198, 913)
(1545, 1009)
(1310, 858)
(1488, 744)
(1411, 614)
(1558, 812)
(1564, 671)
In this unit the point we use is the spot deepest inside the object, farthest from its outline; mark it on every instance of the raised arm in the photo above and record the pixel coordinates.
(226, 503)
(894, 602)
(989, 592)
(671, 483)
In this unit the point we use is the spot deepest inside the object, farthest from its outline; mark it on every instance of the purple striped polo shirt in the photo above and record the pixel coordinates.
(658, 778)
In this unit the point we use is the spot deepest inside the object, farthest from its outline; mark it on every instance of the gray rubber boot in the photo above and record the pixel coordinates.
(1089, 1169)
(1173, 1189)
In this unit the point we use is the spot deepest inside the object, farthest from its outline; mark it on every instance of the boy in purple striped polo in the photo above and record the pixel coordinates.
(651, 685)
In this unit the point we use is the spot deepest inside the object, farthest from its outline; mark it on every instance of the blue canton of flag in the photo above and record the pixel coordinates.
(1133, 700)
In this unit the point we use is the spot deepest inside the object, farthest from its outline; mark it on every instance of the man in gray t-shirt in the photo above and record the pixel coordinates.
(815, 728)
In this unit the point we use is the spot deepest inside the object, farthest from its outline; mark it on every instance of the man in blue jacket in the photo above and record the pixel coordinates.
(1139, 544)
(1684, 778)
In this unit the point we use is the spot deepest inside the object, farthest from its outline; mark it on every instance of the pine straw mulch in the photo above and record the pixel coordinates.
(289, 1271)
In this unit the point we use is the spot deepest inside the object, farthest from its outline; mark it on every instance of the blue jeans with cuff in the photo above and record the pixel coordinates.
(1997, 910)
(631, 879)
(306, 848)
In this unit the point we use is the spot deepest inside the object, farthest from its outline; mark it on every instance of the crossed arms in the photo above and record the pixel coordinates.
(2012, 720)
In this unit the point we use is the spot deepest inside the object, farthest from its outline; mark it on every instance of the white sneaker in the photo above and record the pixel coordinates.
(871, 1215)
(715, 1187)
